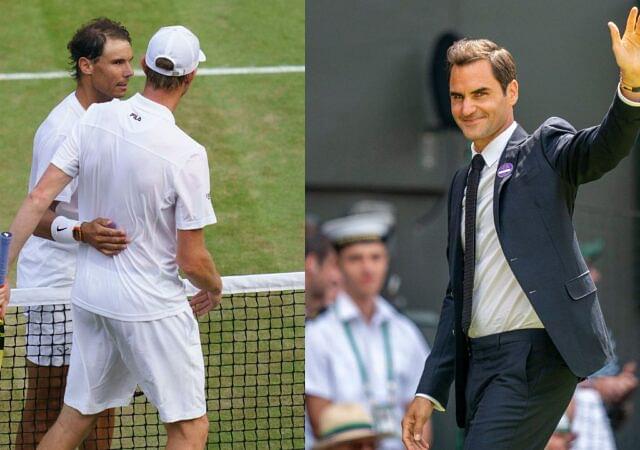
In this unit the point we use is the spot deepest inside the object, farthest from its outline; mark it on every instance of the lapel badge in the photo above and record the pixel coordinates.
(505, 170)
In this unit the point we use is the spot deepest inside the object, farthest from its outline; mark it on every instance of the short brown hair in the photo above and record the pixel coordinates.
(466, 51)
(164, 82)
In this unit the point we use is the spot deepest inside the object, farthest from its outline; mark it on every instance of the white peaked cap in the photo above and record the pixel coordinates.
(374, 226)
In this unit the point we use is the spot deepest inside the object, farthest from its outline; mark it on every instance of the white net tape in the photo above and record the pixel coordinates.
(235, 284)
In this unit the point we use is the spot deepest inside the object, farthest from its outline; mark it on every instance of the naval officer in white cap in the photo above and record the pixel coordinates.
(361, 350)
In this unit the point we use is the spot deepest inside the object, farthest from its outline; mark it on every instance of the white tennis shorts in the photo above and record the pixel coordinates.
(110, 357)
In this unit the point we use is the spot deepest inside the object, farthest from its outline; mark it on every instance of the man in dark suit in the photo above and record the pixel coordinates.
(520, 322)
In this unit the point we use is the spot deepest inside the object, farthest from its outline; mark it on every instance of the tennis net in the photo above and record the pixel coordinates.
(253, 347)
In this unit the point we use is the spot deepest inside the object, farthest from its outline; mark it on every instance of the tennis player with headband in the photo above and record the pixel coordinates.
(132, 322)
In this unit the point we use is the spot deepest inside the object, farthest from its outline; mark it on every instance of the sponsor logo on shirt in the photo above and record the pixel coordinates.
(208, 195)
(136, 117)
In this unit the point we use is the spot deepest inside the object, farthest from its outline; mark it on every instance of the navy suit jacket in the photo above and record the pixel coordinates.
(533, 208)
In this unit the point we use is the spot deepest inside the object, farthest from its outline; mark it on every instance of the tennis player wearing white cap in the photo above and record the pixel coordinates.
(132, 322)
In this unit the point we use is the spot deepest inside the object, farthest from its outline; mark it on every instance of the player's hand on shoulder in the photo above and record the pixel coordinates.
(413, 422)
(5, 294)
(204, 301)
(102, 235)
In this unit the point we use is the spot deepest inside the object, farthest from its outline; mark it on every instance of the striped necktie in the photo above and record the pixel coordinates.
(470, 203)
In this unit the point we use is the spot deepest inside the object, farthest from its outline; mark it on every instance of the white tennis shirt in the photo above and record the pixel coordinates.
(44, 263)
(136, 167)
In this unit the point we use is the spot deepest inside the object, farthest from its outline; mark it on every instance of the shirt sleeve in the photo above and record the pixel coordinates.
(436, 404)
(317, 378)
(420, 350)
(44, 151)
(625, 99)
(422, 344)
(67, 156)
(194, 209)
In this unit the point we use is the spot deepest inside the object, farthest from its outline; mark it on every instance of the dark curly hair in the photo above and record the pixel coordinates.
(88, 41)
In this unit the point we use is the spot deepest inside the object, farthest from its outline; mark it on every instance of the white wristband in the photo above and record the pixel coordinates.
(62, 229)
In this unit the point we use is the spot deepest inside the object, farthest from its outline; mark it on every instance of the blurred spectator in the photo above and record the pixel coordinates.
(322, 277)
(361, 349)
(590, 423)
(347, 426)
(386, 211)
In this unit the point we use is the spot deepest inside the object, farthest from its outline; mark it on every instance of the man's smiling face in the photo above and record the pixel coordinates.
(479, 106)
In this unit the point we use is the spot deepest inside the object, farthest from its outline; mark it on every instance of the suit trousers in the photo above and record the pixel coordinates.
(518, 386)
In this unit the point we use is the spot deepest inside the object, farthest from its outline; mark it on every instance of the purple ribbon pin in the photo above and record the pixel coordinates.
(505, 170)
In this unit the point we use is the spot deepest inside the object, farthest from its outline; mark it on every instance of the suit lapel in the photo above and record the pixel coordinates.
(455, 239)
(457, 194)
(506, 168)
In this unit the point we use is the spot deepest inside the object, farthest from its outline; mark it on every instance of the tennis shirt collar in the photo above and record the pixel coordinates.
(149, 106)
(76, 105)
(347, 310)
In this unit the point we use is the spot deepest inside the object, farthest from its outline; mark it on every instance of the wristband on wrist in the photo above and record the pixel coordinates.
(77, 232)
(628, 87)
(63, 230)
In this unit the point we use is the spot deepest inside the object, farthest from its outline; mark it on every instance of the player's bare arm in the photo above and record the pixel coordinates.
(626, 50)
(196, 262)
(29, 215)
(34, 207)
(99, 233)
(43, 230)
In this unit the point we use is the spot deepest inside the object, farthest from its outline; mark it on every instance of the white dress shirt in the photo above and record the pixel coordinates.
(499, 303)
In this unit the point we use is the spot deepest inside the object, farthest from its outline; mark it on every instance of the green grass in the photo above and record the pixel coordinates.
(251, 125)
(231, 32)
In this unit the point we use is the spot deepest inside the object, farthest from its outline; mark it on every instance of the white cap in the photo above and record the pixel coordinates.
(372, 226)
(178, 45)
